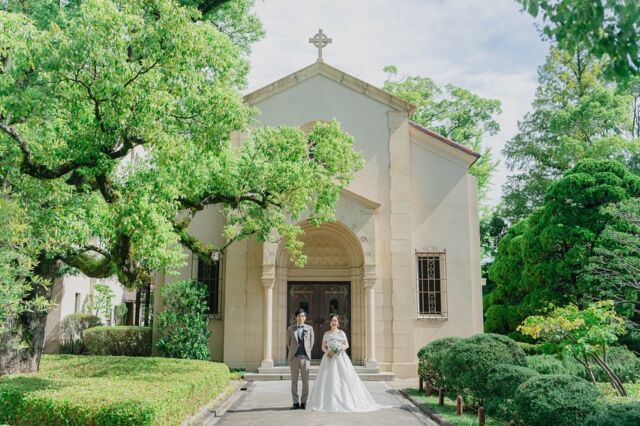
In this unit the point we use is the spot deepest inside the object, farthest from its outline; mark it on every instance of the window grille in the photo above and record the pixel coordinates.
(432, 285)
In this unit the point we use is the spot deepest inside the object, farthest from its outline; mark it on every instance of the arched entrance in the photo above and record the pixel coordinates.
(330, 281)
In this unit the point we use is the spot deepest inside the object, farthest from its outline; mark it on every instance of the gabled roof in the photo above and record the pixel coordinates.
(353, 83)
(448, 141)
(347, 80)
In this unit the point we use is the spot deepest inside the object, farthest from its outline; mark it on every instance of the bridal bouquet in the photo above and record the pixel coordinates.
(335, 347)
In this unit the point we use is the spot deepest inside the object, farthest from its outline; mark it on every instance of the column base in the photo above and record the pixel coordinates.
(371, 363)
(267, 363)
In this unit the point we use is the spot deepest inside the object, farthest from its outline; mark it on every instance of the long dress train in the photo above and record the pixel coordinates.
(338, 387)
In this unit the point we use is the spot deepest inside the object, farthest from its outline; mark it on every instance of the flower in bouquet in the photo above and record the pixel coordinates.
(335, 346)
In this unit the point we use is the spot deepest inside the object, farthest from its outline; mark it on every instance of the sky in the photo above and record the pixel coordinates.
(486, 46)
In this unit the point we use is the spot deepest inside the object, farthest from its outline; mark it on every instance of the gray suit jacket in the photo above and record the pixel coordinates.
(292, 342)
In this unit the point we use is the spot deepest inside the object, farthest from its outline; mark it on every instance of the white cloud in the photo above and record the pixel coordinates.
(488, 47)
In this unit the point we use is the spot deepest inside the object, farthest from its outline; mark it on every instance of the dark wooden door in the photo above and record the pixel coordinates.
(320, 300)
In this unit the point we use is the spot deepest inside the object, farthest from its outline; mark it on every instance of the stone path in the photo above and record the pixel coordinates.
(268, 403)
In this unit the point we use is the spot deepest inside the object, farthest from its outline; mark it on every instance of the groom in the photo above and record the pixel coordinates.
(299, 343)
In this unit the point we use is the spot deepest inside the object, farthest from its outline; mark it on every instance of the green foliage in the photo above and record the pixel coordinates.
(107, 390)
(100, 301)
(624, 363)
(501, 386)
(544, 259)
(467, 363)
(546, 364)
(568, 400)
(154, 90)
(615, 266)
(118, 340)
(72, 332)
(582, 334)
(182, 326)
(575, 116)
(620, 414)
(455, 113)
(607, 28)
(430, 359)
(120, 312)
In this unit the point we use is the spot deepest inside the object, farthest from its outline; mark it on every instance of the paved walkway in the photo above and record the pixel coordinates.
(268, 403)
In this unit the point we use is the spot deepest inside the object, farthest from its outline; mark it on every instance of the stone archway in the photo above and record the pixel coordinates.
(341, 251)
(334, 259)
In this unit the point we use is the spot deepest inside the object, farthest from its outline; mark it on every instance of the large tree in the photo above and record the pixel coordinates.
(608, 29)
(576, 115)
(455, 113)
(546, 257)
(115, 117)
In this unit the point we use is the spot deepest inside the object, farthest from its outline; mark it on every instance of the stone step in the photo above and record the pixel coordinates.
(314, 370)
(380, 376)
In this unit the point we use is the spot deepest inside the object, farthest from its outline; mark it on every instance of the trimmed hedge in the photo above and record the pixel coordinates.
(546, 364)
(566, 400)
(626, 414)
(466, 365)
(72, 332)
(118, 340)
(109, 391)
(502, 384)
(430, 360)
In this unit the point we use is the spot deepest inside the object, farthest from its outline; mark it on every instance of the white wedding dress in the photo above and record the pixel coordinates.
(338, 387)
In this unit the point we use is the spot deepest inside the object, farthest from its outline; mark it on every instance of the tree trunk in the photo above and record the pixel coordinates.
(613, 378)
(587, 367)
(20, 351)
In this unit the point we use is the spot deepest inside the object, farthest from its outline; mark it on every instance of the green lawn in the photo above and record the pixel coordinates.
(448, 411)
(106, 390)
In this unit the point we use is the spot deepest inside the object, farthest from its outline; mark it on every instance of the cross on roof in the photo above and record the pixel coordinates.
(320, 40)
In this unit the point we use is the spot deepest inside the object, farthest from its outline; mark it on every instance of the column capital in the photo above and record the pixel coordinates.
(268, 281)
(369, 281)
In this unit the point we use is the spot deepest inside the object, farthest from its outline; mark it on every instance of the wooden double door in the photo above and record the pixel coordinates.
(319, 300)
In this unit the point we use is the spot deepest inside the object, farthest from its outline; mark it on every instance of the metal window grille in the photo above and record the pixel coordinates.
(209, 274)
(432, 285)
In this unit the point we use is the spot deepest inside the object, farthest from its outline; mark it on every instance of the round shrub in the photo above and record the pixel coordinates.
(466, 365)
(626, 414)
(430, 360)
(118, 340)
(502, 383)
(567, 400)
(72, 332)
(546, 364)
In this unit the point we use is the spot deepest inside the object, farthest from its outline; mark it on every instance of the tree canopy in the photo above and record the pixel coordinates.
(607, 29)
(455, 113)
(576, 115)
(115, 124)
(545, 258)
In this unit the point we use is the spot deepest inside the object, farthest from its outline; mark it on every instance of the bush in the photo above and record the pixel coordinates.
(182, 326)
(72, 332)
(118, 340)
(430, 360)
(623, 362)
(627, 414)
(546, 364)
(567, 400)
(110, 391)
(502, 383)
(466, 365)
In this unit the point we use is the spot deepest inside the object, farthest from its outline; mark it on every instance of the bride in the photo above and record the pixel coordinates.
(338, 387)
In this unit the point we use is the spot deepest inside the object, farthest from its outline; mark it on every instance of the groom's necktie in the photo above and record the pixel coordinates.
(300, 338)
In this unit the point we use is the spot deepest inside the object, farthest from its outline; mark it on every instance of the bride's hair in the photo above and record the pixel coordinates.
(332, 316)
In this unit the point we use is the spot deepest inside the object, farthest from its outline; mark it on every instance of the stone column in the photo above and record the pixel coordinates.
(267, 361)
(369, 285)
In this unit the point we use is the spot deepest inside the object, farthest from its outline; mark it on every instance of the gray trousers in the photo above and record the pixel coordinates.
(300, 364)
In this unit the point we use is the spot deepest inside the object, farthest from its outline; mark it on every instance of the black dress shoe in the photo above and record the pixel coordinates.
(295, 406)
(303, 405)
